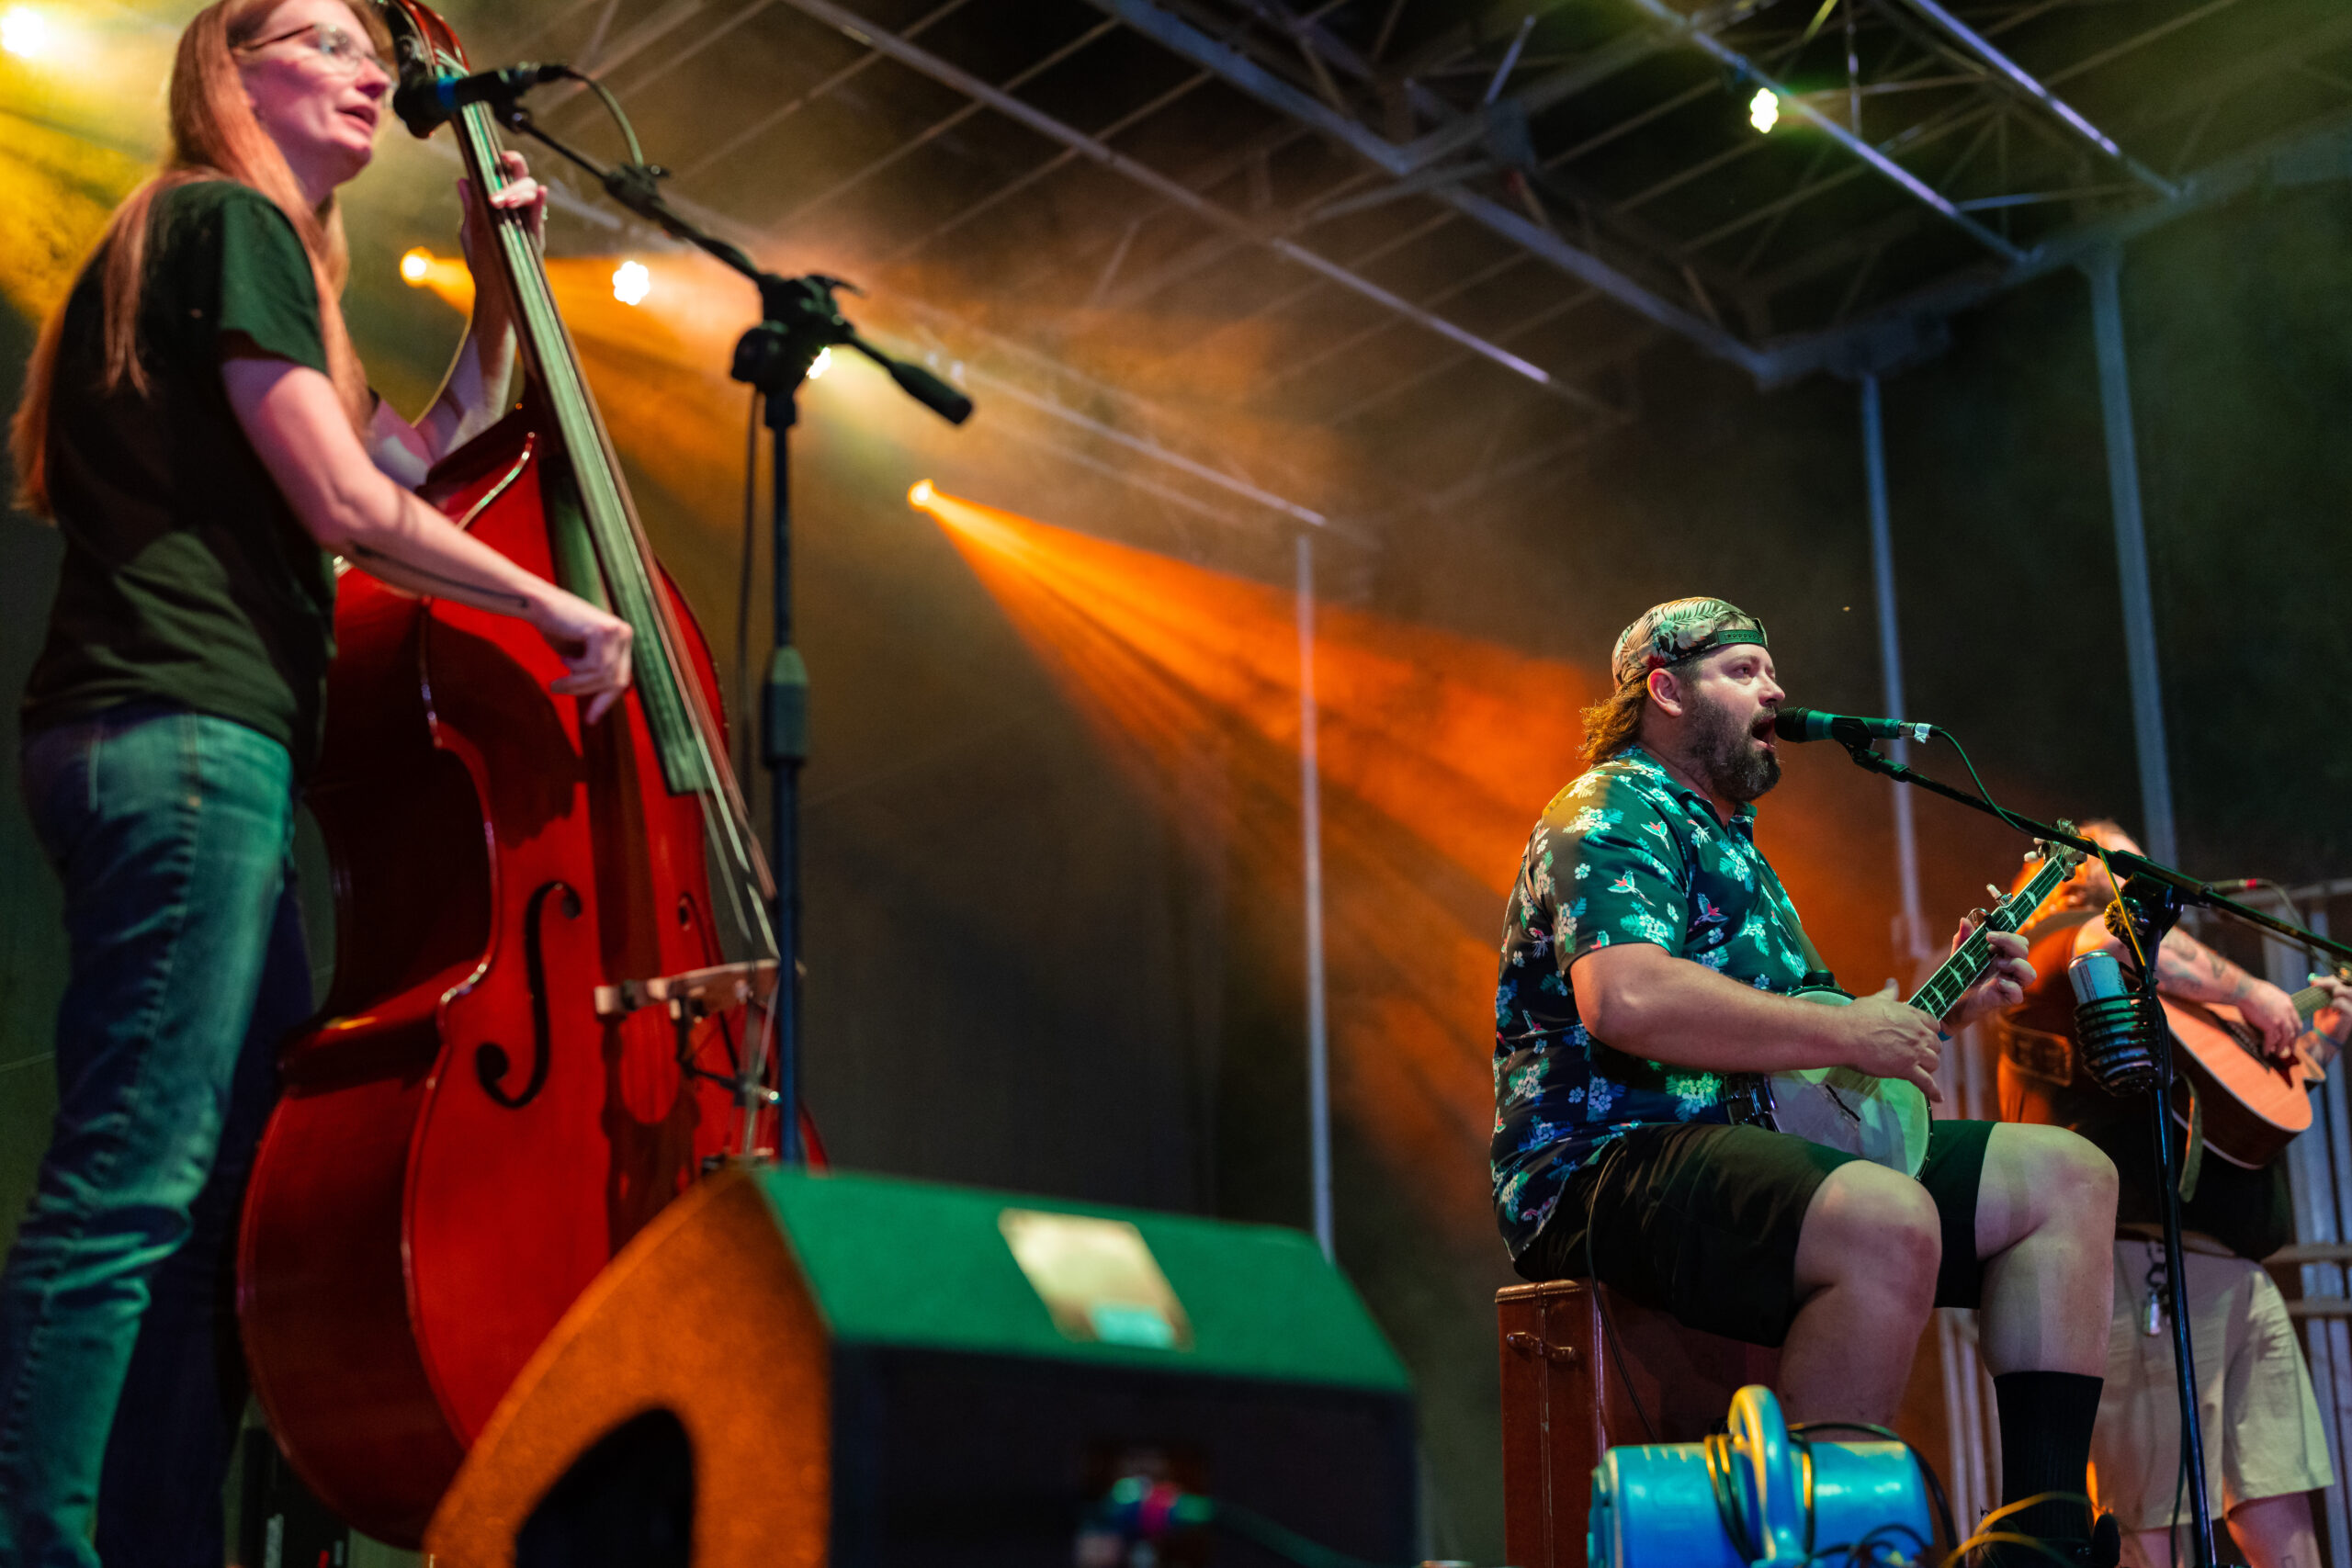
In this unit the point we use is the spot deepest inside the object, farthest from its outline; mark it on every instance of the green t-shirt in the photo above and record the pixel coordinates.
(186, 578)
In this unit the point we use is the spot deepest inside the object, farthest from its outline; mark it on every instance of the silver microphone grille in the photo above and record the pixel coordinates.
(2096, 976)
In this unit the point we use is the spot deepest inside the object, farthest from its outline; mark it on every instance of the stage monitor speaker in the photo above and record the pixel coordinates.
(797, 1370)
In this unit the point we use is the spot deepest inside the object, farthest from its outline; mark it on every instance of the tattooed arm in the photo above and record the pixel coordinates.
(2186, 967)
(2190, 970)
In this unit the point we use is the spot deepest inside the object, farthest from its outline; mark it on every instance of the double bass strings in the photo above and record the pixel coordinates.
(740, 868)
(737, 864)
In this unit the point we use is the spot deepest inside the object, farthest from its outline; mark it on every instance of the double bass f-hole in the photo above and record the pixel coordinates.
(490, 1061)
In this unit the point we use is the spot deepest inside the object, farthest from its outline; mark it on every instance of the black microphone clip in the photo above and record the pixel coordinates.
(424, 102)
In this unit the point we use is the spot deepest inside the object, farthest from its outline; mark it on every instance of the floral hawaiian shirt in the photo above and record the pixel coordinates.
(1623, 855)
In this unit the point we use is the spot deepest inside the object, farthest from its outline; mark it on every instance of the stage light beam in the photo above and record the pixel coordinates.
(25, 33)
(1436, 751)
(415, 266)
(1764, 110)
(822, 363)
(631, 282)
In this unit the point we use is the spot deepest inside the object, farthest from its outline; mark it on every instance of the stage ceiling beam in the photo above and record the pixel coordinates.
(2324, 152)
(1798, 105)
(864, 30)
(2022, 81)
(1238, 485)
(1407, 162)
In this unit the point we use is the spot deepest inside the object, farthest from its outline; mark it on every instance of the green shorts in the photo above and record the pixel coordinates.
(1701, 1220)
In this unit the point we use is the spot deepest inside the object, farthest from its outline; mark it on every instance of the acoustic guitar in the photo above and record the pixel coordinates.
(1885, 1120)
(2253, 1106)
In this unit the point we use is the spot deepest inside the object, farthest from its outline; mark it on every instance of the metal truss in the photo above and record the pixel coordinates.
(1169, 190)
(1009, 372)
(1546, 190)
(1413, 168)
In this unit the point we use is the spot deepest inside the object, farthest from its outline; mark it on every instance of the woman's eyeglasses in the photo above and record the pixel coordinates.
(345, 54)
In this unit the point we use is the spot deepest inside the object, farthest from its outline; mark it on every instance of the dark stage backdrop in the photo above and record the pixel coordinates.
(1026, 971)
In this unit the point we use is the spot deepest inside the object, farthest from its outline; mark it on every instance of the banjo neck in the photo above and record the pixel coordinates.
(1942, 990)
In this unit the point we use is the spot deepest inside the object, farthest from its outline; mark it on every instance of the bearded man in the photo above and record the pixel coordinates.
(1648, 954)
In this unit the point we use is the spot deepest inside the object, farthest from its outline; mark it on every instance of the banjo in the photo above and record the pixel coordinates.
(1885, 1120)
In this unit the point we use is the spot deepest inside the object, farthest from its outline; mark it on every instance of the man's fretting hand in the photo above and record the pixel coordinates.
(2002, 986)
(1888, 1038)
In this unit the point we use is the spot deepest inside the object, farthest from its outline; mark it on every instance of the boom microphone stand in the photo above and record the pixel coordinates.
(2150, 909)
(2191, 890)
(2153, 897)
(798, 320)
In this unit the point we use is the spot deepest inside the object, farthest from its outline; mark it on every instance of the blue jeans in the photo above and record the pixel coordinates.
(172, 831)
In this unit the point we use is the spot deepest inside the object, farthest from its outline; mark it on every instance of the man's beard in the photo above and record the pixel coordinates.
(1725, 753)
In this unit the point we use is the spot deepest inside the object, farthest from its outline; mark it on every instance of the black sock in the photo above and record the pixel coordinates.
(2046, 1421)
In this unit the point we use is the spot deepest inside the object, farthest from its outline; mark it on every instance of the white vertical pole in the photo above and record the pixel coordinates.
(2131, 554)
(1310, 828)
(2310, 1180)
(1912, 941)
(2325, 1338)
(1963, 1378)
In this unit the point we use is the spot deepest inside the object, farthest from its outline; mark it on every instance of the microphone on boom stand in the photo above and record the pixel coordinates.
(1812, 723)
(424, 102)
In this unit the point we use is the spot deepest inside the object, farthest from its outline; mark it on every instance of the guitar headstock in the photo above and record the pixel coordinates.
(422, 45)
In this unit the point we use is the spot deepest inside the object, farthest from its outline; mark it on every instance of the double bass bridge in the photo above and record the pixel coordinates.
(696, 993)
(693, 995)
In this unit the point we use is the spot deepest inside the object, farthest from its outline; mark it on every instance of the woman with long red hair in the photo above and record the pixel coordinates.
(197, 425)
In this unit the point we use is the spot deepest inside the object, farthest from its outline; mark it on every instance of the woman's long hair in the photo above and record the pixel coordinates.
(214, 136)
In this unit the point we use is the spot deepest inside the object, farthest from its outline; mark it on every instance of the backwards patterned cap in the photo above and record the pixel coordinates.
(1679, 629)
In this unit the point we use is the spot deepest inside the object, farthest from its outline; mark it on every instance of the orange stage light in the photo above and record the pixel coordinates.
(1437, 752)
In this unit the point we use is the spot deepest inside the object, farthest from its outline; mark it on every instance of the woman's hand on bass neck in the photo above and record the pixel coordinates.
(521, 194)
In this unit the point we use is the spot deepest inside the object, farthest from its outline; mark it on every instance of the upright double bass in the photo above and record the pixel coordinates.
(553, 945)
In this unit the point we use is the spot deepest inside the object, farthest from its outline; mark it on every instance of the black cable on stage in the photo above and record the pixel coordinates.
(1935, 1481)
(1138, 1508)
(1252, 1525)
(1862, 1552)
(1987, 1536)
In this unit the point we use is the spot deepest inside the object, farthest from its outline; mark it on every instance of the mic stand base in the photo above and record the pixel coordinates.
(2121, 862)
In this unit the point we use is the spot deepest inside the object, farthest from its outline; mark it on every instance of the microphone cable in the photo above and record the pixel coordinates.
(612, 107)
(2287, 902)
(1983, 793)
